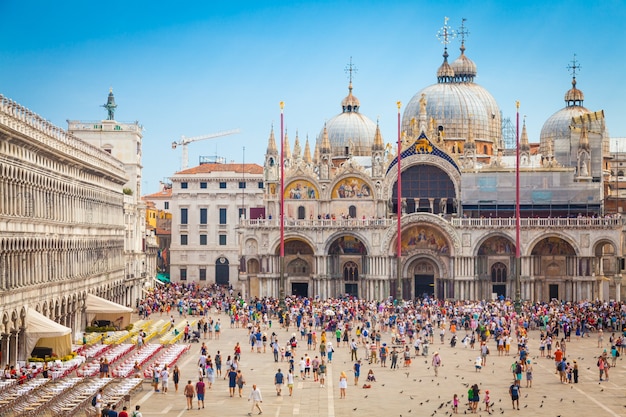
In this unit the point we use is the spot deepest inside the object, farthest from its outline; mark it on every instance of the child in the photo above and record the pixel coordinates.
(455, 404)
(487, 398)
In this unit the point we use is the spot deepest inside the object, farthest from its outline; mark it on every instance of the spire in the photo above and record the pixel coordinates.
(307, 151)
(378, 139)
(524, 145)
(110, 106)
(316, 153)
(271, 143)
(445, 73)
(325, 148)
(286, 148)
(464, 68)
(350, 103)
(574, 97)
(297, 149)
(584, 138)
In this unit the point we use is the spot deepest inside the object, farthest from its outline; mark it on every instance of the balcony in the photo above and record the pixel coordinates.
(529, 223)
(319, 224)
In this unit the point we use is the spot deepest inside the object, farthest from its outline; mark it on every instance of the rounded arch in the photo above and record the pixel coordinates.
(301, 188)
(450, 170)
(295, 244)
(333, 239)
(495, 244)
(604, 247)
(253, 266)
(352, 186)
(389, 242)
(346, 244)
(411, 262)
(553, 244)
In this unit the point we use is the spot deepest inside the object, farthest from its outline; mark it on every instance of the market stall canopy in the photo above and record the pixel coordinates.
(101, 310)
(43, 332)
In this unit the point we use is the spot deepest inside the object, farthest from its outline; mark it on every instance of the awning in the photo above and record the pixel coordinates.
(43, 332)
(163, 277)
(100, 309)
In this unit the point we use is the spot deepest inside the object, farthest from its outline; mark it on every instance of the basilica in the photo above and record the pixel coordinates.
(456, 237)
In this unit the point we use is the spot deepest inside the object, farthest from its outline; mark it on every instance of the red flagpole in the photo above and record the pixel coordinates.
(282, 204)
(518, 263)
(399, 212)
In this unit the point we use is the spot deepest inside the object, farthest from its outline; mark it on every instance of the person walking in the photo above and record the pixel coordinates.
(240, 382)
(290, 379)
(436, 363)
(200, 391)
(165, 374)
(189, 392)
(176, 377)
(394, 358)
(232, 381)
(514, 390)
(322, 373)
(256, 398)
(278, 381)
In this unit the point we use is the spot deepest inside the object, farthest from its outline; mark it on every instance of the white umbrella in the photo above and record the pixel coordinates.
(329, 312)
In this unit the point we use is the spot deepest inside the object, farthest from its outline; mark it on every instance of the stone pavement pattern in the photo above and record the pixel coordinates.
(405, 392)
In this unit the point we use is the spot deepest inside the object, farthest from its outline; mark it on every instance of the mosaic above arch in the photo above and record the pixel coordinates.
(352, 187)
(553, 246)
(497, 245)
(424, 237)
(348, 245)
(301, 190)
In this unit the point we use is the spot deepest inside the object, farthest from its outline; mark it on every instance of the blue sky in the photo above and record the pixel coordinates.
(198, 67)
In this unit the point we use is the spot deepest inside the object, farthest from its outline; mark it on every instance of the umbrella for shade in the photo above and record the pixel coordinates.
(329, 312)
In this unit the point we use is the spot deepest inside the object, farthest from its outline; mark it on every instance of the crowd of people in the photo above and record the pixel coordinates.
(375, 331)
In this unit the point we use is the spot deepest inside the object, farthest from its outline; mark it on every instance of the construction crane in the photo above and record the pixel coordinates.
(186, 141)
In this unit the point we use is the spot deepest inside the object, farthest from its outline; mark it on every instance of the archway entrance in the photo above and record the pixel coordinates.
(221, 272)
(424, 285)
(423, 271)
(498, 280)
(300, 289)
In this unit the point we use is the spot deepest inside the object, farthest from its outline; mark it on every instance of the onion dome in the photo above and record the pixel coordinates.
(349, 132)
(464, 68)
(574, 97)
(445, 73)
(557, 128)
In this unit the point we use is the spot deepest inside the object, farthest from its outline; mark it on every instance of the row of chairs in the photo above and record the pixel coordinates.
(141, 356)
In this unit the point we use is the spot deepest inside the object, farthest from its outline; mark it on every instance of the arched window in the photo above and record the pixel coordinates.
(350, 272)
(298, 267)
(352, 212)
(486, 150)
(498, 273)
(301, 213)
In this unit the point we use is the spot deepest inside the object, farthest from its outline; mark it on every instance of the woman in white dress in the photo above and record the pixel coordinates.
(210, 376)
(343, 384)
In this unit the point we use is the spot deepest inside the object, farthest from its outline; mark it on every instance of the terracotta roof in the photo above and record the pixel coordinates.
(236, 168)
(161, 194)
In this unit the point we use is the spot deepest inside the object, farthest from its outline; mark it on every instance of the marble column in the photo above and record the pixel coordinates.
(13, 347)
(4, 348)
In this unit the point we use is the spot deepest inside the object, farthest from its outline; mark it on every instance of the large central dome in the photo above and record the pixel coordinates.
(458, 104)
(350, 132)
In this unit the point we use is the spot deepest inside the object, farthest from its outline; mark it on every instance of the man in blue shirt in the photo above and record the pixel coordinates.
(357, 372)
(278, 381)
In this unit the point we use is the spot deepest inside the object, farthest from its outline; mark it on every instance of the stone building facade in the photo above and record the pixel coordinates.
(456, 209)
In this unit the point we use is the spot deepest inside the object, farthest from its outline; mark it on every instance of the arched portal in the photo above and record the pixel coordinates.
(498, 279)
(422, 280)
(426, 188)
(299, 262)
(222, 271)
(346, 257)
(554, 261)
